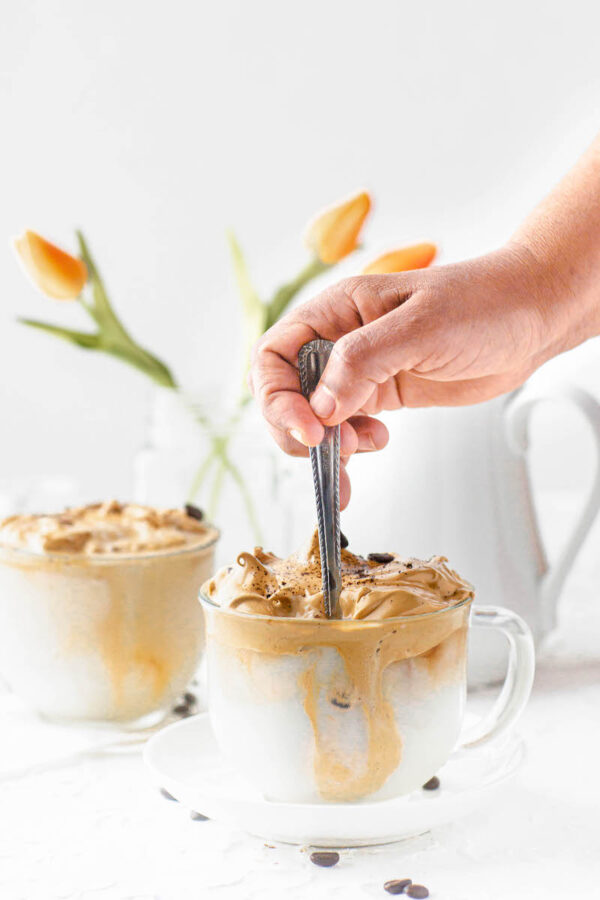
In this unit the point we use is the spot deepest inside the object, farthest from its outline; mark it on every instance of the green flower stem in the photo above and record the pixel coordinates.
(247, 498)
(284, 295)
(111, 337)
(217, 487)
(201, 474)
(218, 455)
(258, 317)
(195, 413)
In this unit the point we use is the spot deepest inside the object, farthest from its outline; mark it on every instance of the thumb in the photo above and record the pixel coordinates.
(364, 359)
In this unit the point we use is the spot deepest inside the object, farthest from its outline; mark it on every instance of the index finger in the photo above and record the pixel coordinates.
(276, 383)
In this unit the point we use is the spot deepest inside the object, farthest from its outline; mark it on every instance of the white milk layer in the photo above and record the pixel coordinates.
(109, 641)
(259, 715)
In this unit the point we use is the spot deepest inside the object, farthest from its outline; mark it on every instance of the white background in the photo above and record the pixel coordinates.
(154, 126)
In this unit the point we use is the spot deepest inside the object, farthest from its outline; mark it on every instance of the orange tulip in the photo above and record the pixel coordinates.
(419, 256)
(333, 234)
(55, 272)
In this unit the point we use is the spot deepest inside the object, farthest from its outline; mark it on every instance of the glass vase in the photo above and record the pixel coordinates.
(222, 459)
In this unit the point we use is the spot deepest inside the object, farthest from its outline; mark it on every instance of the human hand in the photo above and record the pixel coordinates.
(444, 336)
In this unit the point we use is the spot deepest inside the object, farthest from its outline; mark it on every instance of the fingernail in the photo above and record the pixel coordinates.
(298, 437)
(323, 402)
(372, 442)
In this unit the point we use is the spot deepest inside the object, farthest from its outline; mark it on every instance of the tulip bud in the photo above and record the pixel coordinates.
(333, 234)
(55, 272)
(419, 256)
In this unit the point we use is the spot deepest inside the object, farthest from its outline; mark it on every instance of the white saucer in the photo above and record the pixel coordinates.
(184, 759)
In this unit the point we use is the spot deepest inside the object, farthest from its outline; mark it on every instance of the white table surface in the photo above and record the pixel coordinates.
(96, 828)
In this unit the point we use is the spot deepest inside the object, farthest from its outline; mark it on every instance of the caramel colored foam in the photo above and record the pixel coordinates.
(106, 528)
(261, 583)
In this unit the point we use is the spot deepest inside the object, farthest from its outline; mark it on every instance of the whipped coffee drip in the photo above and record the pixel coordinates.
(426, 654)
(105, 528)
(382, 587)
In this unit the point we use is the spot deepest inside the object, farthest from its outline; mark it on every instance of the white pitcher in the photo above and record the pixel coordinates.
(455, 482)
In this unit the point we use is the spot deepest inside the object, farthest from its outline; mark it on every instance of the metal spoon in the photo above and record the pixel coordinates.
(325, 460)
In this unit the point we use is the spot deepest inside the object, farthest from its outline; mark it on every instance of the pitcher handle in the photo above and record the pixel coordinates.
(517, 415)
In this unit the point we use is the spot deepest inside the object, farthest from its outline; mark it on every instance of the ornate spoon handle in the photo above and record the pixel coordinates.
(325, 460)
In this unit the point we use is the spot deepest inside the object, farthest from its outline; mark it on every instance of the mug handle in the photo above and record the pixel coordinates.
(519, 676)
(517, 415)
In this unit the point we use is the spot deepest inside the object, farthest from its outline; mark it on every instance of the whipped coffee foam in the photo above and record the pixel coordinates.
(105, 528)
(381, 586)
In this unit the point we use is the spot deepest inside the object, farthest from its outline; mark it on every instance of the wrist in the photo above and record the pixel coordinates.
(565, 296)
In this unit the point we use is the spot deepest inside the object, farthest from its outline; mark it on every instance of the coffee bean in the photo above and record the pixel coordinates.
(167, 795)
(325, 858)
(432, 785)
(194, 512)
(343, 704)
(198, 817)
(418, 891)
(183, 710)
(190, 698)
(343, 540)
(397, 886)
(380, 557)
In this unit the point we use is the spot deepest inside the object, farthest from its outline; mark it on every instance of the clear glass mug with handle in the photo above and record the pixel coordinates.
(328, 710)
(108, 639)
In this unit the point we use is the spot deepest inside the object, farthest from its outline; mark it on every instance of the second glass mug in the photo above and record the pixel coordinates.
(322, 710)
(108, 639)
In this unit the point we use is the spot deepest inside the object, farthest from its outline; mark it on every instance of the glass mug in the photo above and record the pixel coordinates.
(320, 710)
(105, 639)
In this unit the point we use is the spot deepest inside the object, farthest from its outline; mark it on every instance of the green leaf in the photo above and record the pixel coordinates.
(130, 352)
(140, 359)
(132, 355)
(284, 295)
(253, 309)
(162, 373)
(252, 304)
(81, 338)
(101, 309)
(113, 336)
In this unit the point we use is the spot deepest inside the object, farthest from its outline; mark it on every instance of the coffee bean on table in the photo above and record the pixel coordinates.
(432, 785)
(397, 886)
(198, 817)
(418, 891)
(380, 557)
(190, 698)
(167, 795)
(343, 540)
(194, 512)
(325, 858)
(182, 709)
